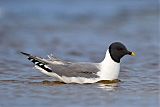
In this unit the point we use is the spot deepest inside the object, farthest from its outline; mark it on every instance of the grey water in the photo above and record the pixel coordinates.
(77, 30)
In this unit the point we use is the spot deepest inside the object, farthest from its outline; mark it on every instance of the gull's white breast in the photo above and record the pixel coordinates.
(109, 69)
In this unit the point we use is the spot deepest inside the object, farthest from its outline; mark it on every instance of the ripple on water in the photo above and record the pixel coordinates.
(78, 34)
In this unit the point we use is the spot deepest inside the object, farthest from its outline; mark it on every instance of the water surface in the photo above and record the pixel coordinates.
(78, 31)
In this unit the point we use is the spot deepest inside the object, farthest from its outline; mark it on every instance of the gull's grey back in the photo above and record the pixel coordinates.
(64, 68)
(76, 70)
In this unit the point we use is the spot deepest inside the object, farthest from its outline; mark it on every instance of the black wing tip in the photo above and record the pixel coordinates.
(37, 62)
(25, 53)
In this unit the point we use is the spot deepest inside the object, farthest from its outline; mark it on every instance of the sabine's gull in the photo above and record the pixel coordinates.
(83, 72)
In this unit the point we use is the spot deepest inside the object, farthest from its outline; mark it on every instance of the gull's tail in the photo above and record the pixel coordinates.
(40, 62)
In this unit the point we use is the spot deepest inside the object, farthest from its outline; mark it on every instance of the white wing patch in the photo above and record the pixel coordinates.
(52, 74)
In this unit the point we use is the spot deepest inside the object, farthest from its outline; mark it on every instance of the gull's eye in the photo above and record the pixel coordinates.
(119, 49)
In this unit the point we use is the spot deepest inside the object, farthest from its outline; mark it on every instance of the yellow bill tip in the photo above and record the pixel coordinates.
(133, 54)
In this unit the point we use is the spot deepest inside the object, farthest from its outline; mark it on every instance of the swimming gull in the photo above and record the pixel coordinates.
(83, 72)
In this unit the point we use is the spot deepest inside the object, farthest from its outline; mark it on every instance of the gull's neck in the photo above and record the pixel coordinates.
(109, 68)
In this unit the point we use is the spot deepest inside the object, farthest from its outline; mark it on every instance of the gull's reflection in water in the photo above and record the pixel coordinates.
(104, 84)
(108, 85)
(48, 83)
